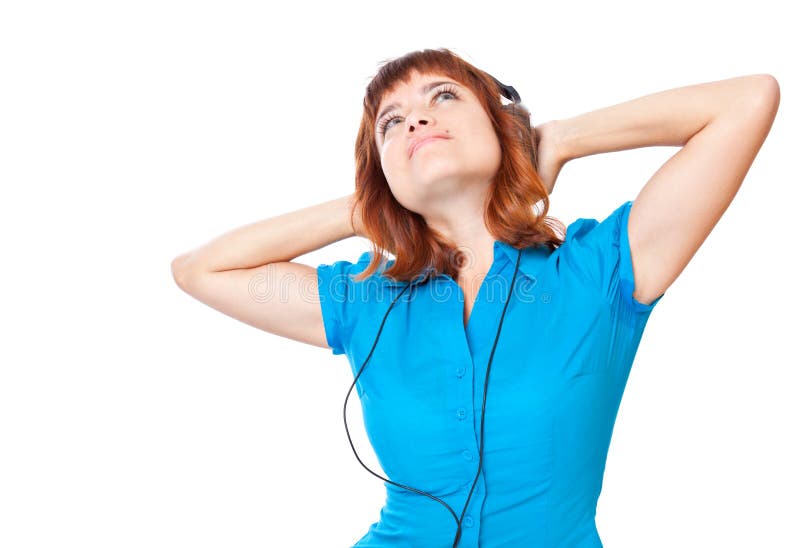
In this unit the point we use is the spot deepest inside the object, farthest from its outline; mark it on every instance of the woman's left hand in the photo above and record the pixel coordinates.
(549, 157)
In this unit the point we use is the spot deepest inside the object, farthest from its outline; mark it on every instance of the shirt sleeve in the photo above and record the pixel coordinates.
(600, 255)
(338, 296)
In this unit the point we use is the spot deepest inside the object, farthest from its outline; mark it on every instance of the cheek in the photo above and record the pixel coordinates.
(394, 161)
(490, 145)
(483, 148)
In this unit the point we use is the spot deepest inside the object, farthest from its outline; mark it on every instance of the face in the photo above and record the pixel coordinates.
(464, 163)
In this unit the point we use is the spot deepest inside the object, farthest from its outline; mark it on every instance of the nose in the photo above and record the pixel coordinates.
(420, 121)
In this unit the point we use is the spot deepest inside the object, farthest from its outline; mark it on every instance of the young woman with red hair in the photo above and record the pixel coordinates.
(456, 185)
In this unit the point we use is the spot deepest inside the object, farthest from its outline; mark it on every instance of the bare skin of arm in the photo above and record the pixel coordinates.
(248, 273)
(720, 127)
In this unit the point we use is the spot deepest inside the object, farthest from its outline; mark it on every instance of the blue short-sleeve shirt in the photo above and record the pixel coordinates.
(567, 344)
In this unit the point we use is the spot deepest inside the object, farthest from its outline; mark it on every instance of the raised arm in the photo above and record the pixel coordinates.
(720, 126)
(248, 273)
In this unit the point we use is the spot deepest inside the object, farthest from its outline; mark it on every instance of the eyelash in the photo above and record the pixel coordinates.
(385, 122)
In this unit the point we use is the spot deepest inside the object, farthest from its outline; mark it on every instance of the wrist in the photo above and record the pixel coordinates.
(352, 218)
(560, 139)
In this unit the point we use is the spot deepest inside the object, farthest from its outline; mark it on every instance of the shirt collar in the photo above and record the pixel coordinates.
(529, 264)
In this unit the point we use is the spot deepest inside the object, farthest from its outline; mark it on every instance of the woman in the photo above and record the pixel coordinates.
(455, 184)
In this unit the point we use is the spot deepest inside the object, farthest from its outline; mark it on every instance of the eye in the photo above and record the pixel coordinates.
(386, 125)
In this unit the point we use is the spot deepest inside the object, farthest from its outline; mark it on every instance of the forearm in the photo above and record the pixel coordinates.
(665, 118)
(276, 239)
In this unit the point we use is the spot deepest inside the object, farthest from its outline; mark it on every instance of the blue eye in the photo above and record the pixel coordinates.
(384, 125)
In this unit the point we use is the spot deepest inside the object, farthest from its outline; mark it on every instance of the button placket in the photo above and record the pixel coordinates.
(461, 413)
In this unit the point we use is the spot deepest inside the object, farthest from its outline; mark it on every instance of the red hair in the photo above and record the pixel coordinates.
(516, 188)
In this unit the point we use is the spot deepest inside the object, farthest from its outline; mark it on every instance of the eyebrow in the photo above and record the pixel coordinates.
(422, 91)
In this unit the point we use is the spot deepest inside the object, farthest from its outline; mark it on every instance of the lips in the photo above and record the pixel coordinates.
(421, 140)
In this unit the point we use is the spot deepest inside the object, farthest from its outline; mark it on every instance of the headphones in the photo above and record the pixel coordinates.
(519, 111)
(511, 94)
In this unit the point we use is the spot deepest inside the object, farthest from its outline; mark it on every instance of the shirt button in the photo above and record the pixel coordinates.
(461, 413)
(460, 372)
(466, 454)
(467, 521)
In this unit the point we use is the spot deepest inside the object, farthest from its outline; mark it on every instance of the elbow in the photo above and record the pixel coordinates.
(180, 270)
(768, 96)
(770, 83)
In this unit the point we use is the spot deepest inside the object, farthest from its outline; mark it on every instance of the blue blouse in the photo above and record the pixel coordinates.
(568, 341)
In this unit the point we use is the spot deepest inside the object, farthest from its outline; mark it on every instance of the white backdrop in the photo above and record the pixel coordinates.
(132, 415)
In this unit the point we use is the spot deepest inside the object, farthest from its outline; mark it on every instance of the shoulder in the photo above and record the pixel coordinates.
(345, 266)
(337, 280)
(588, 230)
(597, 255)
(343, 299)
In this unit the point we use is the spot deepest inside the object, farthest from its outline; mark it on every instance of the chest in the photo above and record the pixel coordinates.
(471, 283)
(470, 294)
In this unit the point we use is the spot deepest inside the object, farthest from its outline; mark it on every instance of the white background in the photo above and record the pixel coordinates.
(132, 415)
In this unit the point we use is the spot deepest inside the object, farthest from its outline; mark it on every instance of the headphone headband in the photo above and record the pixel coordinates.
(508, 91)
